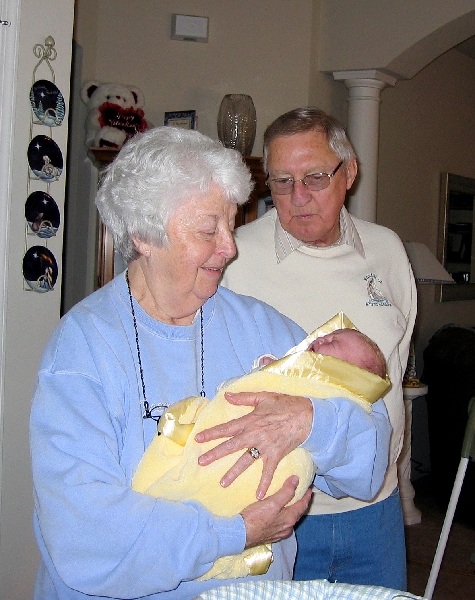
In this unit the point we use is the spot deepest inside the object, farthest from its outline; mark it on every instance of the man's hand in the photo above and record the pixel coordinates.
(270, 520)
(278, 424)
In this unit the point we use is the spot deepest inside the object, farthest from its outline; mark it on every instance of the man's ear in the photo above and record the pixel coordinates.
(351, 169)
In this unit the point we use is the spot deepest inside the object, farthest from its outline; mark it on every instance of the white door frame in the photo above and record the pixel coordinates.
(9, 11)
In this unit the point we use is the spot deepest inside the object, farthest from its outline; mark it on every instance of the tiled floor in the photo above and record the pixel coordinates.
(456, 579)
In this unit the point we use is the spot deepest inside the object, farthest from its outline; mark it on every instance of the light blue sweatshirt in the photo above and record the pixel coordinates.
(98, 537)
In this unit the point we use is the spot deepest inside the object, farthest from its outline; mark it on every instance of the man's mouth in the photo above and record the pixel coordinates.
(304, 216)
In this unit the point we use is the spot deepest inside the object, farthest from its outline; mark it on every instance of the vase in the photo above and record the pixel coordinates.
(237, 123)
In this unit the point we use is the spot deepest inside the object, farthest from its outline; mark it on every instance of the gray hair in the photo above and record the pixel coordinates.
(301, 120)
(155, 173)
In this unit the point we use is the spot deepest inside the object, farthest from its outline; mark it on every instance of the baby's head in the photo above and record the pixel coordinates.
(353, 347)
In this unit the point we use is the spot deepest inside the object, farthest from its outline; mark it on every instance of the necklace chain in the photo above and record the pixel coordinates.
(202, 357)
(148, 411)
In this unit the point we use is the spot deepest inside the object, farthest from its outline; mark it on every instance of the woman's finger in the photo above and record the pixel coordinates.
(270, 520)
(268, 471)
(239, 467)
(227, 447)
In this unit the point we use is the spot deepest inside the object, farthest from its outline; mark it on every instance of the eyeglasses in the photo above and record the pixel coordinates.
(153, 412)
(313, 181)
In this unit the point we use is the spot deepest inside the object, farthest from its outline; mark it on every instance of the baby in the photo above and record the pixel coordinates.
(349, 345)
(335, 360)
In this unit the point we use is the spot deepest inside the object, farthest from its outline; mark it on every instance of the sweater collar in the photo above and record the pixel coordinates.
(285, 243)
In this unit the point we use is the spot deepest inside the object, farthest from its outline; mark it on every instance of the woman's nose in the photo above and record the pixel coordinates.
(226, 245)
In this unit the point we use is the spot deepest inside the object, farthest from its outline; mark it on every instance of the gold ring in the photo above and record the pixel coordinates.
(254, 452)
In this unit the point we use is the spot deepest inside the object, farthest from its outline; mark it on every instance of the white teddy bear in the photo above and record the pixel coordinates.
(115, 113)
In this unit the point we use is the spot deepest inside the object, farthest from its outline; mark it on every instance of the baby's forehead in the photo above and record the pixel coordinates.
(354, 333)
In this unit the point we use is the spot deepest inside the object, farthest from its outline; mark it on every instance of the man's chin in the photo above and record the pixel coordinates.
(310, 237)
(313, 235)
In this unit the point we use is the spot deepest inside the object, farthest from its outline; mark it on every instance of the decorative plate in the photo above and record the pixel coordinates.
(47, 103)
(42, 214)
(45, 158)
(40, 269)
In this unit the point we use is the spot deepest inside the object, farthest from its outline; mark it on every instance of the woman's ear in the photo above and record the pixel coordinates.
(141, 247)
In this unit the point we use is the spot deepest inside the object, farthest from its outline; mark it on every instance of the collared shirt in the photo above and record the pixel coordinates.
(285, 243)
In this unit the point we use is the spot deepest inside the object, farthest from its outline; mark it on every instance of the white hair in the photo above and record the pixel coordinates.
(159, 170)
(301, 120)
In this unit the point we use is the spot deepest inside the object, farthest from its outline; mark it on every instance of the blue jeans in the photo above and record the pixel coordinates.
(364, 546)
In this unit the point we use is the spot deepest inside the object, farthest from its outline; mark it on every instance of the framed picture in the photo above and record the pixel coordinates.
(185, 119)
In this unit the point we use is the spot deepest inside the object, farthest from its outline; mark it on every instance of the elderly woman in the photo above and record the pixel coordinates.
(159, 332)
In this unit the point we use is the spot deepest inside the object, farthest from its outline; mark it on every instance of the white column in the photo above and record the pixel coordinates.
(363, 130)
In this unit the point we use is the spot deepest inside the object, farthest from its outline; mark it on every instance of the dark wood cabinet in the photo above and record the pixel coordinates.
(246, 213)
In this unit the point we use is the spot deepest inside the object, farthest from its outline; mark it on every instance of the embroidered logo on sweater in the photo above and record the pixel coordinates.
(375, 295)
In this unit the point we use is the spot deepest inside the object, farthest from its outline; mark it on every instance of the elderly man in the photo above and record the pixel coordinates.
(309, 259)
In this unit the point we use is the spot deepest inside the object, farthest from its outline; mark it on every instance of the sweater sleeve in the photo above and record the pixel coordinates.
(349, 447)
(81, 488)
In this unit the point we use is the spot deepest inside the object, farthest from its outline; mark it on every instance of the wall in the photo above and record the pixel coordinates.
(80, 219)
(401, 36)
(247, 52)
(30, 317)
(427, 126)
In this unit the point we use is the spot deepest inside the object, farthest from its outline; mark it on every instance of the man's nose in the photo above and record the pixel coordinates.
(300, 194)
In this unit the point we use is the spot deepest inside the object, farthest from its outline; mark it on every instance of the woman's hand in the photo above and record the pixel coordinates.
(270, 520)
(278, 424)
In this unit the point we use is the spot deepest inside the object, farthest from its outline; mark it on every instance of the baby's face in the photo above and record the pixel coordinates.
(342, 343)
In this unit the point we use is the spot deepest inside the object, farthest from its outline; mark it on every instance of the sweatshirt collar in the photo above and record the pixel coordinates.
(285, 243)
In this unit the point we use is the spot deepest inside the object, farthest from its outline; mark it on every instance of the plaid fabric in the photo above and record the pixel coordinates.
(320, 589)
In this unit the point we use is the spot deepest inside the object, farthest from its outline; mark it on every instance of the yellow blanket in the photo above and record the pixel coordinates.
(169, 468)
